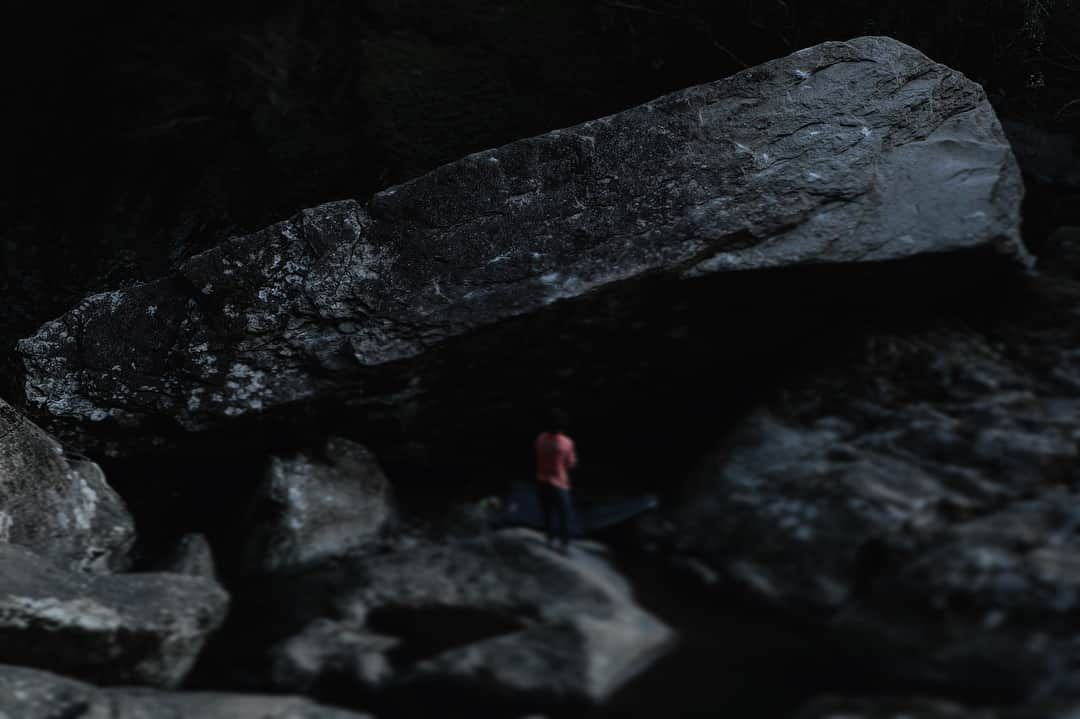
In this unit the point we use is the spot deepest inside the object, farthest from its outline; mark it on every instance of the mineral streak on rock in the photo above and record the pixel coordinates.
(846, 152)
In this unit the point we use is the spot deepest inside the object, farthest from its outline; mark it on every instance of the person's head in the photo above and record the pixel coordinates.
(557, 420)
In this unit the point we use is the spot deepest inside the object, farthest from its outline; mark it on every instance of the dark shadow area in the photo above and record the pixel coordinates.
(427, 631)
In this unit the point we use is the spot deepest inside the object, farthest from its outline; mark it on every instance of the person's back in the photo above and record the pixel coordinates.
(555, 457)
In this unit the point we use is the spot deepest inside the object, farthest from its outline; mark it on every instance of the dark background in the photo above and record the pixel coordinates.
(135, 135)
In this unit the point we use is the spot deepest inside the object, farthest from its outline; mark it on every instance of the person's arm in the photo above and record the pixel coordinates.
(571, 454)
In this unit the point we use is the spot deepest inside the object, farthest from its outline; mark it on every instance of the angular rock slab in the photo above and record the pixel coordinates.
(110, 629)
(31, 694)
(58, 505)
(501, 616)
(846, 152)
(312, 508)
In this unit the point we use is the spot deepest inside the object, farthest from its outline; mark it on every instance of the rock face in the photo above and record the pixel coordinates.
(856, 152)
(494, 617)
(312, 508)
(920, 495)
(31, 694)
(870, 464)
(112, 629)
(993, 604)
(58, 505)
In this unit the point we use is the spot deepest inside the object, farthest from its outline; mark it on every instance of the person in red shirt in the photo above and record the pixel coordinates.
(555, 457)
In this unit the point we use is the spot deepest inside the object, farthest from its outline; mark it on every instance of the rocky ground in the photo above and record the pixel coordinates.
(795, 303)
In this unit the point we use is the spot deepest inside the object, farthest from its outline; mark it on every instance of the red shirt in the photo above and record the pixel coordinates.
(555, 456)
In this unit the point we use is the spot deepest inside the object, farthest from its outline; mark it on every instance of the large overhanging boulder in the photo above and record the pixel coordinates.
(845, 153)
(57, 504)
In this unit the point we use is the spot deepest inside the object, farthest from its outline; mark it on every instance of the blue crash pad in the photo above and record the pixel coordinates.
(586, 517)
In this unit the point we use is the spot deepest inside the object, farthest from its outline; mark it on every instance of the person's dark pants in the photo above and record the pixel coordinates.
(555, 502)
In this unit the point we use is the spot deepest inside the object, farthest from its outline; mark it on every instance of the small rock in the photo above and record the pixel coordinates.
(190, 555)
(311, 508)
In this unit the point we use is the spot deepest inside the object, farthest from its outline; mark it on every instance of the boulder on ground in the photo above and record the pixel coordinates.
(857, 470)
(995, 607)
(32, 694)
(57, 504)
(110, 629)
(500, 617)
(310, 508)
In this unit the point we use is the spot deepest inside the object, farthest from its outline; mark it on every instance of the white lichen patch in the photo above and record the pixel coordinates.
(803, 74)
(6, 524)
(248, 389)
(85, 509)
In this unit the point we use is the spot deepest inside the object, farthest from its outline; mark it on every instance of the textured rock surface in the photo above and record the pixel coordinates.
(124, 628)
(993, 605)
(31, 694)
(312, 508)
(921, 493)
(842, 153)
(497, 616)
(56, 504)
(861, 467)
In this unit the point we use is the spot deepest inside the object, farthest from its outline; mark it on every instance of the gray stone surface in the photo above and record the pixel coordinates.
(501, 616)
(864, 466)
(994, 604)
(31, 694)
(847, 152)
(310, 508)
(117, 628)
(57, 504)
